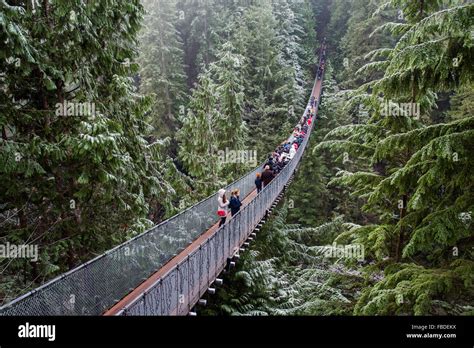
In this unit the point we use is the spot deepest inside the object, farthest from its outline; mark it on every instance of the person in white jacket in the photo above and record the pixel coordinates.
(292, 151)
(222, 208)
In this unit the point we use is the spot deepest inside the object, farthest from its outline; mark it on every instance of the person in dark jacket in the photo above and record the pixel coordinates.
(235, 203)
(277, 167)
(267, 176)
(270, 162)
(258, 182)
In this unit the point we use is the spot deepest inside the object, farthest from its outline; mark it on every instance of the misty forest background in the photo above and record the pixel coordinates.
(173, 82)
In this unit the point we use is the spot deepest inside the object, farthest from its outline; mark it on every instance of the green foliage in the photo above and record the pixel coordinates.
(161, 64)
(340, 11)
(227, 71)
(355, 45)
(462, 103)
(397, 185)
(278, 61)
(199, 139)
(433, 51)
(310, 202)
(410, 289)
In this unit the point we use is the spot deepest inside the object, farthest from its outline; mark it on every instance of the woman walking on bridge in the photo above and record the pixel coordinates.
(223, 203)
(235, 203)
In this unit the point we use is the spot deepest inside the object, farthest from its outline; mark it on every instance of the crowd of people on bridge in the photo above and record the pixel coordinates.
(277, 160)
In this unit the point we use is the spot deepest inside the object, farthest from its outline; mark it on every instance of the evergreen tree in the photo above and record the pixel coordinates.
(269, 36)
(199, 28)
(198, 138)
(256, 38)
(307, 21)
(161, 67)
(355, 45)
(462, 103)
(337, 27)
(227, 74)
(292, 53)
(287, 273)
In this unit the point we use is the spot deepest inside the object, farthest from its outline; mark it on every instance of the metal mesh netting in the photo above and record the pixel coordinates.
(97, 285)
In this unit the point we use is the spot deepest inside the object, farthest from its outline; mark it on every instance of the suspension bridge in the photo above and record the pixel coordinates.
(167, 269)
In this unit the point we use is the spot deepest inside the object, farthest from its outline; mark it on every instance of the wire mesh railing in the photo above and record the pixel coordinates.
(98, 284)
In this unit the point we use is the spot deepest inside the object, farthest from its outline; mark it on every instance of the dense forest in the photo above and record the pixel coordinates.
(164, 86)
